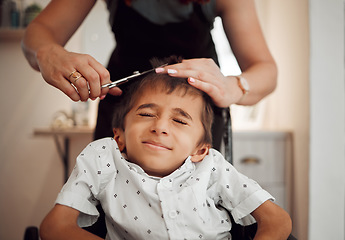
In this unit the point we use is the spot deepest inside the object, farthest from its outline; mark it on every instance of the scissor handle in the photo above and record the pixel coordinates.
(123, 80)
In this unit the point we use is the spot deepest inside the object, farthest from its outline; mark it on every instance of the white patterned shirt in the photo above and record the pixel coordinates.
(193, 202)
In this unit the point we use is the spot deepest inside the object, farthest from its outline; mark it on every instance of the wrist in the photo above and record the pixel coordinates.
(244, 86)
(46, 52)
(49, 49)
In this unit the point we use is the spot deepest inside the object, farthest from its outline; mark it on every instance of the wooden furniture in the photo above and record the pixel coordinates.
(64, 135)
(11, 34)
(266, 157)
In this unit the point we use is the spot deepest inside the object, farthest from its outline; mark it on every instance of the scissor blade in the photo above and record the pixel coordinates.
(123, 80)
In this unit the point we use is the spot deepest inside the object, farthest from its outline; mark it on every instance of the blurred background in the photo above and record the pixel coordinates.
(305, 115)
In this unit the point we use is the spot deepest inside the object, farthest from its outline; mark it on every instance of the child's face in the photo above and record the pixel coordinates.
(162, 130)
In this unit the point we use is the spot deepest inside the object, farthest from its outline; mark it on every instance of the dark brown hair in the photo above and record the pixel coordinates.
(162, 82)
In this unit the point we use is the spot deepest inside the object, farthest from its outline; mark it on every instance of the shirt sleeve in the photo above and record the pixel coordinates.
(86, 182)
(239, 194)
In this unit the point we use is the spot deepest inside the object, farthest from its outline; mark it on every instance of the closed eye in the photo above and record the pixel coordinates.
(180, 121)
(145, 114)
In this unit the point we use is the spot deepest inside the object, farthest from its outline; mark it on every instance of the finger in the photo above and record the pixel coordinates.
(104, 76)
(115, 91)
(66, 87)
(198, 64)
(170, 69)
(210, 89)
(103, 73)
(95, 75)
(93, 81)
(82, 87)
(203, 76)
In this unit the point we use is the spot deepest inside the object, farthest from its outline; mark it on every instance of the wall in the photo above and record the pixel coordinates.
(27, 163)
(327, 129)
(286, 28)
(31, 172)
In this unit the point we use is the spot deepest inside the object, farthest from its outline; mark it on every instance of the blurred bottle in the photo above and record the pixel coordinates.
(80, 113)
(15, 15)
(5, 13)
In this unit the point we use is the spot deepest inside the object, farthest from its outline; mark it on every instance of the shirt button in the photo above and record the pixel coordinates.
(132, 169)
(172, 214)
(167, 183)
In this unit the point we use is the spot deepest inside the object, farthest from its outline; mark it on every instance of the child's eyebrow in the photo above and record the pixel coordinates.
(147, 105)
(182, 113)
(176, 110)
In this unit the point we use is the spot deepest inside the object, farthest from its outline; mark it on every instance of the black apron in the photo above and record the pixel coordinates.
(138, 40)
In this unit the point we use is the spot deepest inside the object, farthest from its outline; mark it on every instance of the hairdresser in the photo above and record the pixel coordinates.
(154, 28)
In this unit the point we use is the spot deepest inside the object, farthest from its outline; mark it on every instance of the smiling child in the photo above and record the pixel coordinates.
(159, 178)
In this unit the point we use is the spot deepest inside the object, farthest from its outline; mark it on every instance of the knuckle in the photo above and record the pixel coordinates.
(105, 74)
(75, 59)
(94, 93)
(93, 77)
(209, 89)
(208, 61)
(201, 75)
(69, 91)
(81, 83)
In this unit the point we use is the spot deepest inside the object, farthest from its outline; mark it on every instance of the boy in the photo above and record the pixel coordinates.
(158, 178)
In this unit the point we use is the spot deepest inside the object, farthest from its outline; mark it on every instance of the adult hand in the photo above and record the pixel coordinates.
(205, 75)
(56, 66)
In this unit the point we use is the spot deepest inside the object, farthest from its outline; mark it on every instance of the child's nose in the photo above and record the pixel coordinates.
(160, 126)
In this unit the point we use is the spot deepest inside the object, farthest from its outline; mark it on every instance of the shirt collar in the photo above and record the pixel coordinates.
(188, 165)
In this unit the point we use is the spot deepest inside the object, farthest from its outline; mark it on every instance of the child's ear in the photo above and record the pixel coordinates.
(200, 152)
(119, 138)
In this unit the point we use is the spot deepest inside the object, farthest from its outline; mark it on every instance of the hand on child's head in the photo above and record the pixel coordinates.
(161, 123)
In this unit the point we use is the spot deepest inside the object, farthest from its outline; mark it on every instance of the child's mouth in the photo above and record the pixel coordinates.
(156, 145)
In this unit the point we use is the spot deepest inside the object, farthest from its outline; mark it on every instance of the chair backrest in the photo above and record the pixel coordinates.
(31, 233)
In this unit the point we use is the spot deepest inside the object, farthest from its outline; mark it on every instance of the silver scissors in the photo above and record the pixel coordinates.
(126, 79)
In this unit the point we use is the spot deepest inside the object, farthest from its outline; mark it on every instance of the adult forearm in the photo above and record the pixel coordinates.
(262, 79)
(36, 37)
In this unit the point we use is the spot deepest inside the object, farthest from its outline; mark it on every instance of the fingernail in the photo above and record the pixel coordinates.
(102, 97)
(159, 70)
(192, 80)
(172, 71)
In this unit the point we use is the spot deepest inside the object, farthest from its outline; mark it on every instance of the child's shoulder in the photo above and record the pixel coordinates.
(216, 157)
(102, 153)
(102, 150)
(103, 144)
(214, 160)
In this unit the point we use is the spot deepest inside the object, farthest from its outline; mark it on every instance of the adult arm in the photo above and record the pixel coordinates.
(61, 224)
(43, 46)
(273, 222)
(244, 34)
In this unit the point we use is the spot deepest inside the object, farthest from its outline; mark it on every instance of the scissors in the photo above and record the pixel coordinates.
(126, 79)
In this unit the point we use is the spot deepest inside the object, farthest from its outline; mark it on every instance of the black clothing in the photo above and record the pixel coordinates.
(138, 40)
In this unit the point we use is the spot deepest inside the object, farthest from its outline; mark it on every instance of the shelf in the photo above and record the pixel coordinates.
(66, 132)
(9, 34)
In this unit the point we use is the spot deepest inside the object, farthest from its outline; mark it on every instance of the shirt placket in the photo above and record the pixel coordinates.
(169, 203)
